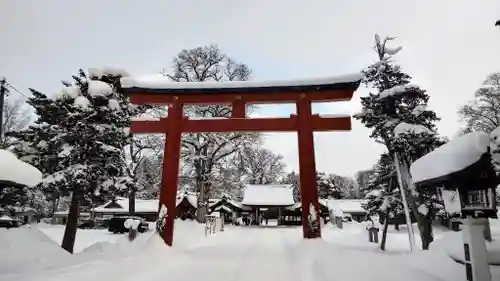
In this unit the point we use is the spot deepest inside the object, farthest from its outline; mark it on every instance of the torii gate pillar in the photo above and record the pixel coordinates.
(307, 168)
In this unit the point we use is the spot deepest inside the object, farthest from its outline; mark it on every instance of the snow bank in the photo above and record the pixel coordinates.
(451, 157)
(16, 172)
(27, 246)
(163, 82)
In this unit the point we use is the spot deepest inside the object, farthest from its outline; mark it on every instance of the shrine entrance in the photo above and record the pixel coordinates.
(161, 91)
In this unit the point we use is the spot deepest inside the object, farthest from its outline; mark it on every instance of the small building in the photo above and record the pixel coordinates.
(227, 208)
(268, 200)
(186, 205)
(61, 217)
(21, 214)
(348, 207)
(147, 209)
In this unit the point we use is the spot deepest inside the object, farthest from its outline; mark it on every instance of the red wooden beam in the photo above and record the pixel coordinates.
(244, 125)
(240, 125)
(149, 126)
(322, 124)
(261, 97)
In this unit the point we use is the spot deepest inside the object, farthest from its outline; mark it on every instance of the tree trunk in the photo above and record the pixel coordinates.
(201, 210)
(131, 201)
(424, 222)
(55, 203)
(384, 232)
(71, 225)
(425, 228)
(131, 195)
(487, 230)
(396, 227)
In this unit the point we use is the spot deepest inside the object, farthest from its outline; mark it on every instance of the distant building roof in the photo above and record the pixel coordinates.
(121, 204)
(268, 195)
(346, 205)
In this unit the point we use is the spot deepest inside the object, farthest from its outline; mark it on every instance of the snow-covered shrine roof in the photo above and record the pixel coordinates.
(141, 206)
(268, 195)
(450, 158)
(192, 199)
(16, 172)
(346, 205)
(229, 201)
(6, 218)
(163, 85)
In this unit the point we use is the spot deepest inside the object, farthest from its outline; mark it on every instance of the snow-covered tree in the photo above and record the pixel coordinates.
(362, 178)
(483, 113)
(382, 189)
(260, 165)
(332, 186)
(328, 185)
(293, 179)
(78, 141)
(203, 151)
(398, 115)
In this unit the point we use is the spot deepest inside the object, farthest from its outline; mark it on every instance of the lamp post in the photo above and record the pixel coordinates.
(468, 190)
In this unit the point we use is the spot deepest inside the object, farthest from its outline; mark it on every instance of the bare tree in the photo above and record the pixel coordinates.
(483, 113)
(15, 117)
(261, 165)
(203, 151)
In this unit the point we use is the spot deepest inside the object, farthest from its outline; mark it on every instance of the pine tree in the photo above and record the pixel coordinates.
(78, 141)
(398, 116)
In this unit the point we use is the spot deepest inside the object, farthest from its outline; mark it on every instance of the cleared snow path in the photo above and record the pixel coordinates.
(246, 254)
(238, 254)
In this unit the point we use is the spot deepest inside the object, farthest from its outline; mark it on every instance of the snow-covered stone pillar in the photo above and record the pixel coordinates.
(476, 260)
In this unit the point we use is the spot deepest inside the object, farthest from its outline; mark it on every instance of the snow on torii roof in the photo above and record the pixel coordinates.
(268, 195)
(450, 158)
(15, 172)
(160, 84)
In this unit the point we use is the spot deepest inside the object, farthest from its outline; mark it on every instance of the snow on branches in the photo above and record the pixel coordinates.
(79, 136)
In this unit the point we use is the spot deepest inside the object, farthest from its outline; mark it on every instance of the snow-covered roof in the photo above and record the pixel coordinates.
(268, 195)
(141, 206)
(223, 207)
(192, 199)
(347, 205)
(6, 218)
(451, 157)
(228, 200)
(16, 172)
(164, 83)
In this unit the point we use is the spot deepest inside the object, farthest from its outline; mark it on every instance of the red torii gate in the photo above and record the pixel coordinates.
(239, 94)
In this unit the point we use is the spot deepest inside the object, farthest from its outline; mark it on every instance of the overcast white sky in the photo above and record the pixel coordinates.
(449, 46)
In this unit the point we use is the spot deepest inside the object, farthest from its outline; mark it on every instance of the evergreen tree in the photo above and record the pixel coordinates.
(294, 180)
(398, 116)
(78, 141)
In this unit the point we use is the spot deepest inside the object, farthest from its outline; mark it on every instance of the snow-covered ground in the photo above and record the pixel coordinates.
(237, 254)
